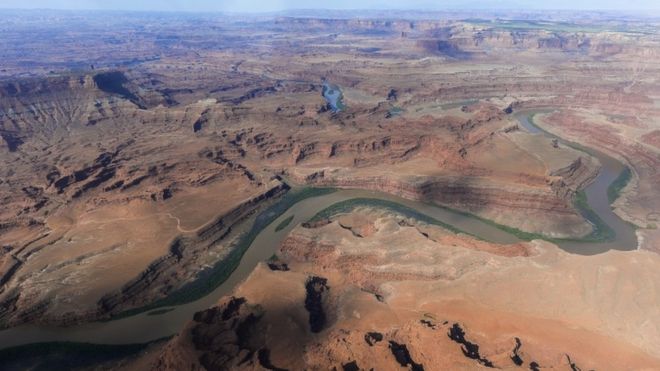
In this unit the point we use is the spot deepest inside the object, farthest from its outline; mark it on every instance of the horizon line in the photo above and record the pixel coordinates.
(447, 10)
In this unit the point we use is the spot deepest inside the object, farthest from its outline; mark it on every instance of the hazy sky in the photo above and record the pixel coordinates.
(274, 5)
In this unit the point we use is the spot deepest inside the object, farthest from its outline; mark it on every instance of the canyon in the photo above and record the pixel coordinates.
(135, 178)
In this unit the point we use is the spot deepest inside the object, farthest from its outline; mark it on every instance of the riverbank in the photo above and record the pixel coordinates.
(220, 271)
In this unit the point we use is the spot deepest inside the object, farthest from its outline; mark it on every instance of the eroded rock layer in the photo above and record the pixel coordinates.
(131, 168)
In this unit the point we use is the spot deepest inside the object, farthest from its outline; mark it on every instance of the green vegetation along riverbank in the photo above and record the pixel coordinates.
(211, 279)
(601, 231)
(347, 206)
(285, 223)
(614, 190)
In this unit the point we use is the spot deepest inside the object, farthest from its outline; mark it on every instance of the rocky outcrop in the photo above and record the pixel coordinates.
(219, 338)
(177, 269)
(572, 178)
(423, 323)
(9, 264)
(373, 337)
(365, 152)
(181, 267)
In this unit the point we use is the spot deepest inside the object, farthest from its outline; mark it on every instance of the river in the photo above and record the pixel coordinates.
(596, 192)
(144, 327)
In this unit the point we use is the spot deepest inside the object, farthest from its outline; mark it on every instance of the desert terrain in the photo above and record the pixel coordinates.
(142, 157)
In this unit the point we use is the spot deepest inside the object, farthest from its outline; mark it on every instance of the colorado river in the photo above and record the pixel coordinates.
(143, 327)
(596, 192)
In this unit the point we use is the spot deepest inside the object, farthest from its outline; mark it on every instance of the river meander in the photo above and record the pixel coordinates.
(143, 327)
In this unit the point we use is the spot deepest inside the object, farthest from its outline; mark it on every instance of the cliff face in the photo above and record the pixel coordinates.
(40, 106)
(512, 204)
(184, 264)
(477, 40)
(93, 178)
(464, 40)
(51, 106)
(181, 266)
(461, 176)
